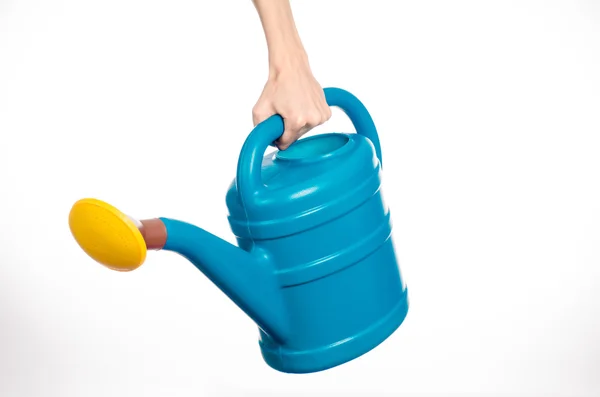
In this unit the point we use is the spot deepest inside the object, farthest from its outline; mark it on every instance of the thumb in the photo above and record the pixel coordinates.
(293, 130)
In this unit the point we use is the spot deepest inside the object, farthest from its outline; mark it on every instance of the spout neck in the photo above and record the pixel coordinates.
(248, 279)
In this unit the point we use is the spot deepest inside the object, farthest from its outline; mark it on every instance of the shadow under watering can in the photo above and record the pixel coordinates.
(316, 267)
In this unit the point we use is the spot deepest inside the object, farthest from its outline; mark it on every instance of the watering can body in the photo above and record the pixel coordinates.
(316, 214)
(315, 266)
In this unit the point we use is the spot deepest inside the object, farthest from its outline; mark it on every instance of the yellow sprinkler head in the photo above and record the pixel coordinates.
(107, 235)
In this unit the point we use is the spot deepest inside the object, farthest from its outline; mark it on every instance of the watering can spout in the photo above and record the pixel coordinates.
(247, 278)
(120, 243)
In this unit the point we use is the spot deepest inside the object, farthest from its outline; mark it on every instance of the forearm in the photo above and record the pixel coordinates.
(283, 41)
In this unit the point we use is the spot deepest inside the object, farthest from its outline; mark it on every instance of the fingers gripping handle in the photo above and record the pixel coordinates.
(249, 182)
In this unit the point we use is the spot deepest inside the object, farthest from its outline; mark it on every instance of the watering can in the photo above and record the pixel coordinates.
(315, 267)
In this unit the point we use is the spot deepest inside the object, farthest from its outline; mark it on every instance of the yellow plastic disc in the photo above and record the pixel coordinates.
(107, 235)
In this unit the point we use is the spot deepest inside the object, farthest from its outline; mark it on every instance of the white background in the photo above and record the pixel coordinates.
(489, 117)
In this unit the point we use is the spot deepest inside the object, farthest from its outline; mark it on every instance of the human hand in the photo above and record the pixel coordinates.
(292, 92)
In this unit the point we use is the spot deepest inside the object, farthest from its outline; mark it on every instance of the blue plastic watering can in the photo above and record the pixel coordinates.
(316, 267)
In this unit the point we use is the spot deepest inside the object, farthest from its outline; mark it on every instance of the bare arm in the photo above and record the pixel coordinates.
(291, 89)
(283, 40)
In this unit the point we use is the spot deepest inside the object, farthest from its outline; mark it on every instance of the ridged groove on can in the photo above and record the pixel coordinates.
(339, 260)
(314, 217)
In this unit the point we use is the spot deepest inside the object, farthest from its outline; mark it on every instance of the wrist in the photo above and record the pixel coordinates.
(291, 57)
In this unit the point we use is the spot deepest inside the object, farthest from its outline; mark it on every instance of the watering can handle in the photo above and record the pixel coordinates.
(249, 180)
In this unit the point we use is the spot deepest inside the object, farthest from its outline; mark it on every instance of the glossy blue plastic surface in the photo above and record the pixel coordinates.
(316, 266)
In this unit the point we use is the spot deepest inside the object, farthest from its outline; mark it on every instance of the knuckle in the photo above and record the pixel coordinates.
(313, 119)
(260, 109)
(257, 113)
(297, 121)
(257, 108)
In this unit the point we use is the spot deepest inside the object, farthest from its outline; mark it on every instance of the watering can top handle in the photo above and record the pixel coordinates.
(264, 134)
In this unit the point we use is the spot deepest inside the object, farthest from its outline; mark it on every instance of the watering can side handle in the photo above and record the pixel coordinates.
(249, 182)
(357, 113)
